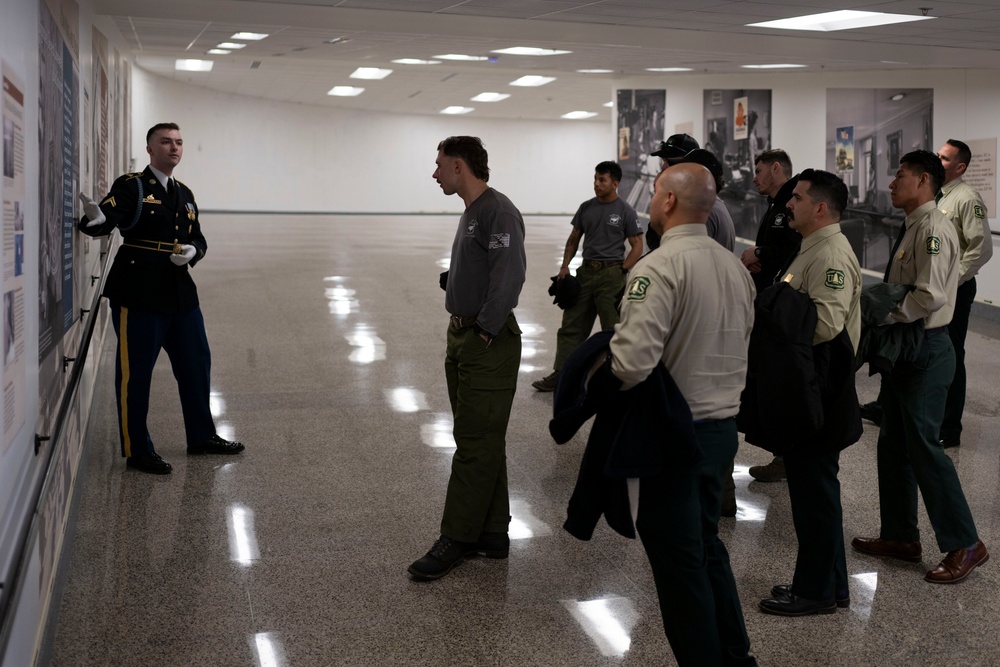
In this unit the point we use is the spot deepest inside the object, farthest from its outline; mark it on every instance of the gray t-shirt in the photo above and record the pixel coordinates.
(605, 227)
(720, 226)
(487, 262)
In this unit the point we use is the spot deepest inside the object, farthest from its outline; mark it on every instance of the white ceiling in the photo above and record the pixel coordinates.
(296, 63)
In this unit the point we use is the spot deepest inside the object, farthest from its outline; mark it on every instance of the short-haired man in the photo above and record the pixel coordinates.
(604, 223)
(910, 456)
(827, 270)
(482, 359)
(154, 302)
(684, 303)
(776, 244)
(963, 205)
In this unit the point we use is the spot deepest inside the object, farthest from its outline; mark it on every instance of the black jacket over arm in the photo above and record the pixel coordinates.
(797, 394)
(635, 434)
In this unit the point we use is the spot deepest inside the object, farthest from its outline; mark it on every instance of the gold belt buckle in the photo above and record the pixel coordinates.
(177, 248)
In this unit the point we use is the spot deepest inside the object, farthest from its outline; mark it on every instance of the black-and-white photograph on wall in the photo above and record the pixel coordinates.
(639, 130)
(884, 125)
(738, 129)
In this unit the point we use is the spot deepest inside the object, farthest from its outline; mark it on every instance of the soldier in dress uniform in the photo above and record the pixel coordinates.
(154, 302)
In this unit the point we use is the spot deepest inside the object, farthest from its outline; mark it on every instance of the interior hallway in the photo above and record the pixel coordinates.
(328, 335)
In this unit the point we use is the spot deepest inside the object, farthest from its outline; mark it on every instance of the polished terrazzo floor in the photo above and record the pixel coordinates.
(328, 339)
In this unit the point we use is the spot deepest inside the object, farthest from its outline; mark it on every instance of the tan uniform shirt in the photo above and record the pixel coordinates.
(927, 258)
(827, 269)
(689, 305)
(965, 208)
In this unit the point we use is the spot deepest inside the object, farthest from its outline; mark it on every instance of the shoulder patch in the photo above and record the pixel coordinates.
(835, 279)
(637, 289)
(933, 245)
(978, 211)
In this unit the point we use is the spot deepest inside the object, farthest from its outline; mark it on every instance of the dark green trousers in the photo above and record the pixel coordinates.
(818, 517)
(951, 426)
(598, 290)
(678, 523)
(910, 456)
(481, 383)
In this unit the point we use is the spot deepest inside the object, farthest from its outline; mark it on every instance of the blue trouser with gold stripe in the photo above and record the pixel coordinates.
(141, 336)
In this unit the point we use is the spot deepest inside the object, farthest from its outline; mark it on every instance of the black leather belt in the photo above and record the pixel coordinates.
(458, 323)
(159, 246)
(936, 331)
(598, 264)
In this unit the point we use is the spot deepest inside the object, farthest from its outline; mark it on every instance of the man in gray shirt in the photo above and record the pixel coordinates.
(604, 223)
(482, 359)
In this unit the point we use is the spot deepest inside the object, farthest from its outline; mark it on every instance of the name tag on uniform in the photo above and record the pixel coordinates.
(788, 278)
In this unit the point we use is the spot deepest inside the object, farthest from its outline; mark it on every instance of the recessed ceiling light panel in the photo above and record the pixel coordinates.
(415, 61)
(845, 19)
(533, 80)
(596, 71)
(345, 91)
(461, 56)
(250, 36)
(230, 45)
(218, 52)
(490, 97)
(578, 115)
(773, 66)
(193, 65)
(529, 51)
(370, 73)
(669, 69)
(455, 110)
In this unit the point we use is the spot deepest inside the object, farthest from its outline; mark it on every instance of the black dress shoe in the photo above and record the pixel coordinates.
(793, 605)
(951, 441)
(842, 598)
(442, 558)
(493, 545)
(217, 445)
(151, 463)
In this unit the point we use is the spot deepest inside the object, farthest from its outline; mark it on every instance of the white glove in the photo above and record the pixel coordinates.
(186, 254)
(95, 216)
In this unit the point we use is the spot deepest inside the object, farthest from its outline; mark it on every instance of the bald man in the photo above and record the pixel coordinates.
(689, 306)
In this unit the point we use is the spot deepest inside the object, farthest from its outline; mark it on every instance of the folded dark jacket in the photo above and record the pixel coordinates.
(636, 433)
(881, 346)
(565, 291)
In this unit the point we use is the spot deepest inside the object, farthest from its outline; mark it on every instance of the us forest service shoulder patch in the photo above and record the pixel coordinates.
(933, 245)
(637, 288)
(835, 279)
(978, 211)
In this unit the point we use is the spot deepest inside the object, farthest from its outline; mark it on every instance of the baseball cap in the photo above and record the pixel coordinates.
(705, 159)
(676, 147)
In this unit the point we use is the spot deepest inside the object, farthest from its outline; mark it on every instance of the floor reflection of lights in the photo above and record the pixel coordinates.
(607, 621)
(523, 522)
(444, 263)
(270, 652)
(368, 347)
(216, 404)
(342, 301)
(406, 399)
(225, 430)
(242, 535)
(747, 510)
(438, 433)
(863, 595)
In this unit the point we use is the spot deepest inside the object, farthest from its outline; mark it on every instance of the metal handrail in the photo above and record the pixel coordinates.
(23, 557)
